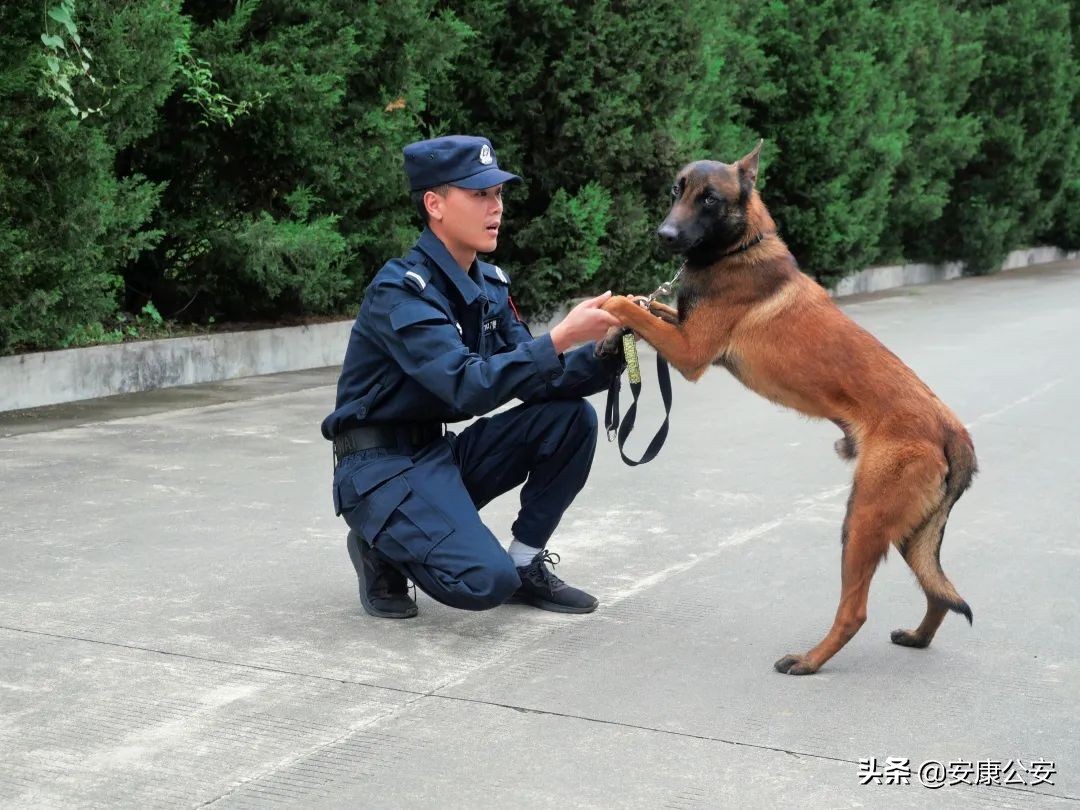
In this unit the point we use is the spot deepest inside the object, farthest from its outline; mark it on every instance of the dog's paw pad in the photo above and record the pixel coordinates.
(905, 638)
(794, 665)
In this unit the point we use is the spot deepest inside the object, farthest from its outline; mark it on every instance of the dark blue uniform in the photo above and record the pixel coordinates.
(433, 344)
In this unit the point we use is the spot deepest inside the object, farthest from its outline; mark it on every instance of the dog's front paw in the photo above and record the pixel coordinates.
(795, 665)
(611, 345)
(619, 305)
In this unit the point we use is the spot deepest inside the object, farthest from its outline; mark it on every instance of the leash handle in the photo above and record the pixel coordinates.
(630, 355)
(622, 431)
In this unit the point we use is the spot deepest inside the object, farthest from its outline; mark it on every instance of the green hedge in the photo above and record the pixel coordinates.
(242, 161)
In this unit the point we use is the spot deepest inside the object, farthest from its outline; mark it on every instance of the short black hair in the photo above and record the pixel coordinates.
(417, 198)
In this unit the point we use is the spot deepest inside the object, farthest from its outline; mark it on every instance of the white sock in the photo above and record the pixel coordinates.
(521, 554)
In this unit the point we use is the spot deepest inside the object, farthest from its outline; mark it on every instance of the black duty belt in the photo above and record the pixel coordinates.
(405, 436)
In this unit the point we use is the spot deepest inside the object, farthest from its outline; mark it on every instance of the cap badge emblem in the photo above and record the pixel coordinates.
(485, 154)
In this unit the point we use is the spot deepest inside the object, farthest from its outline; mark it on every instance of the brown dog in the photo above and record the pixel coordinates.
(743, 304)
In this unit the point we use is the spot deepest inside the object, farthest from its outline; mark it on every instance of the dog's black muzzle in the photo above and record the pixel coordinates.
(673, 239)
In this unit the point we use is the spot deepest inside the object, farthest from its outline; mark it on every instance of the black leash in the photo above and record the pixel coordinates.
(611, 412)
(663, 376)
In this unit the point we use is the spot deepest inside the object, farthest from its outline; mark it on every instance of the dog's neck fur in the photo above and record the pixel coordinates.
(759, 221)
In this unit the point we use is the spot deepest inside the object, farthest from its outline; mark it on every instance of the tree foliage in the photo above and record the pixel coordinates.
(201, 160)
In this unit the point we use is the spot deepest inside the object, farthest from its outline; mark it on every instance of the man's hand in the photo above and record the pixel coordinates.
(586, 321)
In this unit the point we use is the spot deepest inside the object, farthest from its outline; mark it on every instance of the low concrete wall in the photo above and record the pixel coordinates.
(876, 279)
(47, 378)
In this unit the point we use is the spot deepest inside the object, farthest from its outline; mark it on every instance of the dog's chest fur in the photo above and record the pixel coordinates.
(737, 305)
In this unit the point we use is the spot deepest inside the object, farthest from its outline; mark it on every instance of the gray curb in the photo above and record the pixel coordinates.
(48, 378)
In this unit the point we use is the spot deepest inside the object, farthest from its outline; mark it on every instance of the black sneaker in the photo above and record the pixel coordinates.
(384, 591)
(541, 588)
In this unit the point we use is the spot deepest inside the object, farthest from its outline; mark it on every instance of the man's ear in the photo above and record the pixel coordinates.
(433, 202)
(748, 165)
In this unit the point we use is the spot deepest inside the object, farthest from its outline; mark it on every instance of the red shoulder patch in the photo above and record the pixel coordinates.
(513, 306)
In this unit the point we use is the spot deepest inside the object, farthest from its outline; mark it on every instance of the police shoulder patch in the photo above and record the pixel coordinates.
(495, 273)
(416, 276)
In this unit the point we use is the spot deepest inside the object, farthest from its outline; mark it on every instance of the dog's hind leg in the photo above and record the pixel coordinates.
(896, 487)
(923, 550)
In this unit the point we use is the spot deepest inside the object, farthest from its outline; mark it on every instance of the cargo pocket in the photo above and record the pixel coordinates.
(420, 526)
(381, 487)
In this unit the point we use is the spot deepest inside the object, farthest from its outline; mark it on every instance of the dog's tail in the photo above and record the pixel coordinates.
(922, 551)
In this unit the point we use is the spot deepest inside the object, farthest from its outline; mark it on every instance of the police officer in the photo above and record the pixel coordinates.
(437, 340)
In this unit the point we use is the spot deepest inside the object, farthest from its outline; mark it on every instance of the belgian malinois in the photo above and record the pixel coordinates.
(743, 304)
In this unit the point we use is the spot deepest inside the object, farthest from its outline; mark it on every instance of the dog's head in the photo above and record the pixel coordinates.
(709, 207)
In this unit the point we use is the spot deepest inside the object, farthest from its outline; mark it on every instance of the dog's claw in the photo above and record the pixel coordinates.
(794, 665)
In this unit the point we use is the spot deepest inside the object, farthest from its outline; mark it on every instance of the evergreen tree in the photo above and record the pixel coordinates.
(243, 160)
(578, 98)
(1064, 229)
(735, 82)
(836, 129)
(284, 164)
(936, 55)
(1024, 95)
(68, 221)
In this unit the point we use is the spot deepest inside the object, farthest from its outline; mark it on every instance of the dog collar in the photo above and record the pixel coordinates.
(745, 247)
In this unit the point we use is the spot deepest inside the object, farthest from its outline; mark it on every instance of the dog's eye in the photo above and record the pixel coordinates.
(709, 200)
(675, 191)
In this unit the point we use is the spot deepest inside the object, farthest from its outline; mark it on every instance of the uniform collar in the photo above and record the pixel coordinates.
(433, 247)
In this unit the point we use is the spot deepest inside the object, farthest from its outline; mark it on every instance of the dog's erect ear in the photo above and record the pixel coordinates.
(748, 165)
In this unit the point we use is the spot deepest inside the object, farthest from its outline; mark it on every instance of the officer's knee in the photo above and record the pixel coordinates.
(488, 586)
(585, 416)
(575, 416)
(581, 430)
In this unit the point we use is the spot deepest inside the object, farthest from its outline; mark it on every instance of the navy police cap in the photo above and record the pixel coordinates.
(466, 161)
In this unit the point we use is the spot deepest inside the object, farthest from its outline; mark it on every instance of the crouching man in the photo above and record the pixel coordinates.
(438, 340)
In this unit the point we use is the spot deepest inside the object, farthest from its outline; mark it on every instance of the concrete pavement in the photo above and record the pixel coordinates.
(179, 624)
